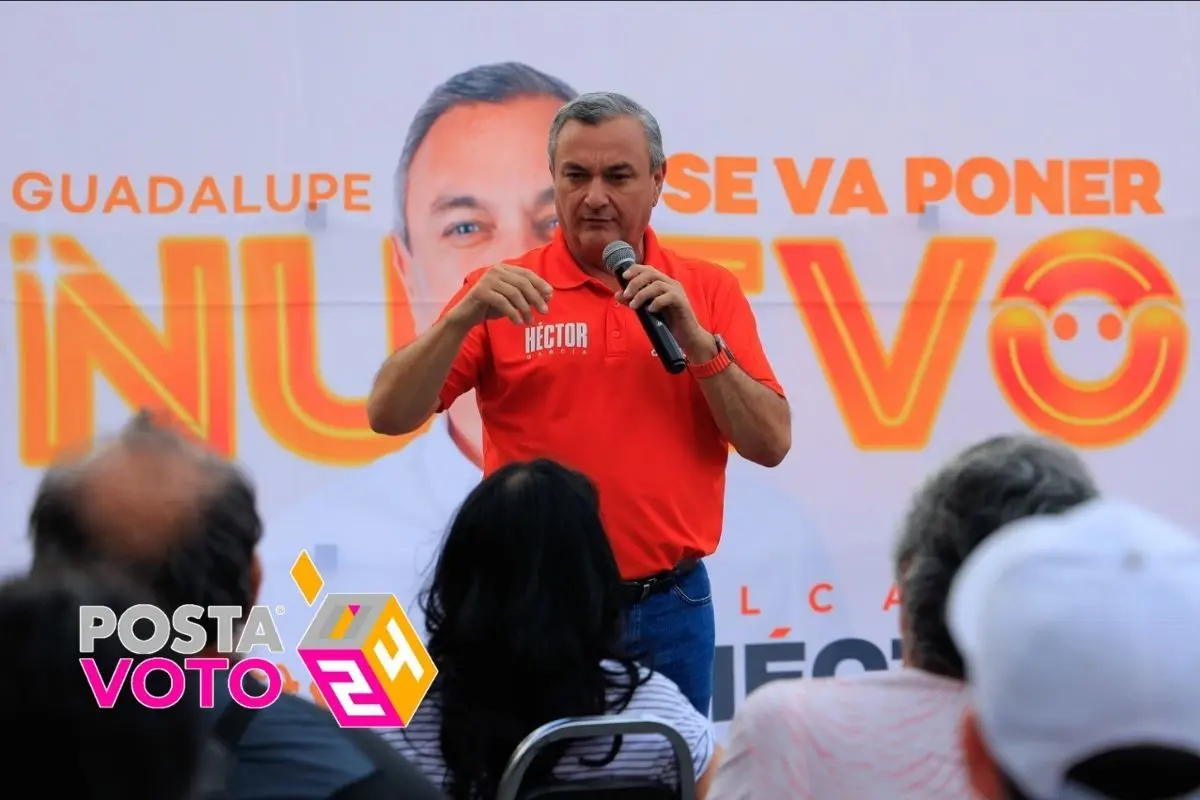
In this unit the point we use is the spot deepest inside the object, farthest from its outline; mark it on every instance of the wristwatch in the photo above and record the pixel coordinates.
(715, 365)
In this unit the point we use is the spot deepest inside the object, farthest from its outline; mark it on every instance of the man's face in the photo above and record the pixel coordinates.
(604, 188)
(478, 193)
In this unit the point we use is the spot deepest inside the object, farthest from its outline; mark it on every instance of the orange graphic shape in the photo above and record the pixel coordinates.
(1097, 263)
(295, 404)
(81, 325)
(889, 396)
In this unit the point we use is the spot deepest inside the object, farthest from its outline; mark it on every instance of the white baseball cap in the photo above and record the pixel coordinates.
(1079, 633)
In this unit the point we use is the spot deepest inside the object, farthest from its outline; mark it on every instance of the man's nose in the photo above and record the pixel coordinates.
(597, 195)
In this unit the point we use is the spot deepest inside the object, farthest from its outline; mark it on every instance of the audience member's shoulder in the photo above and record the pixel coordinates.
(655, 694)
(655, 685)
(396, 775)
(297, 750)
(623, 676)
(892, 683)
(842, 695)
(772, 699)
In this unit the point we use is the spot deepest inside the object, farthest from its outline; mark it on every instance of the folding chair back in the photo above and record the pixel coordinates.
(599, 788)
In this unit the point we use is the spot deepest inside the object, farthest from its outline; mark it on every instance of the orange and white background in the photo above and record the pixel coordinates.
(953, 220)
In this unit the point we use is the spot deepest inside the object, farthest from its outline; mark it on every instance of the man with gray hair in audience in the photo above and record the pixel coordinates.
(894, 735)
(1079, 636)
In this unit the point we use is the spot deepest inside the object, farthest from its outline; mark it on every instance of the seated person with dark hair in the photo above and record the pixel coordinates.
(61, 743)
(185, 522)
(525, 613)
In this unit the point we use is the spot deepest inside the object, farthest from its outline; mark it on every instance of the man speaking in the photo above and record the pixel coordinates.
(556, 348)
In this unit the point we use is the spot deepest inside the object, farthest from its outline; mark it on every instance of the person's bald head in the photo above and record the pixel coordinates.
(155, 504)
(139, 494)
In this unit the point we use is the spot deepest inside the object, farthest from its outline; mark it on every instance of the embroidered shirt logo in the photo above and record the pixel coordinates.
(554, 338)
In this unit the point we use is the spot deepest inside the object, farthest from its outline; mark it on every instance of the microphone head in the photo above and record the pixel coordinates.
(618, 256)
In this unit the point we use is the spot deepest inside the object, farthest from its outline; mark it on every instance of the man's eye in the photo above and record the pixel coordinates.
(545, 228)
(463, 229)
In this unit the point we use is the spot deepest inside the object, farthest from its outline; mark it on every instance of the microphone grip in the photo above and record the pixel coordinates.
(668, 350)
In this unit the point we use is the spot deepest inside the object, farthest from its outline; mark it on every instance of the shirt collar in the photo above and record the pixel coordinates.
(562, 271)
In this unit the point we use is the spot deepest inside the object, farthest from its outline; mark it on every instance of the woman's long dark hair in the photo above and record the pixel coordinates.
(524, 604)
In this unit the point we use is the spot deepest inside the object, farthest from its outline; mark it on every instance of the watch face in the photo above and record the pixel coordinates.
(722, 346)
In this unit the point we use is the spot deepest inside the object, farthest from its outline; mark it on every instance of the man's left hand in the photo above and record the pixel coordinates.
(658, 293)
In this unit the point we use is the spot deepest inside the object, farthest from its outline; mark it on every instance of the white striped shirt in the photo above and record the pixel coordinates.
(640, 756)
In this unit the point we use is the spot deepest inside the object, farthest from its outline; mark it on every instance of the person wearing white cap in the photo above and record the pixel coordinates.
(1079, 635)
(894, 735)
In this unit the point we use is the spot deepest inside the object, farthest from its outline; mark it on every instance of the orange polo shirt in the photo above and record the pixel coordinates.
(582, 386)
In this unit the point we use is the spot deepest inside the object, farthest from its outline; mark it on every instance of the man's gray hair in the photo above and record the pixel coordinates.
(599, 107)
(982, 489)
(487, 83)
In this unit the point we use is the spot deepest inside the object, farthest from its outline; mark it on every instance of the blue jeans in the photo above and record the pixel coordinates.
(674, 633)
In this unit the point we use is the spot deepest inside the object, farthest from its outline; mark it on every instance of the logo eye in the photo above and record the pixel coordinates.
(1066, 326)
(1110, 326)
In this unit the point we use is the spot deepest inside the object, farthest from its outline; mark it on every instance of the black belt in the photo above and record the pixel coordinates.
(638, 590)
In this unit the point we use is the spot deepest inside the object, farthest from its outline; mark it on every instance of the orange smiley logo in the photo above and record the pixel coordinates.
(1147, 308)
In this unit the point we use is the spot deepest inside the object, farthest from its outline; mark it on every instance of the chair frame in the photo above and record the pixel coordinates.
(591, 727)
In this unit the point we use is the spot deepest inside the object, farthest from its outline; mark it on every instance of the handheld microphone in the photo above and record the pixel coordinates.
(618, 257)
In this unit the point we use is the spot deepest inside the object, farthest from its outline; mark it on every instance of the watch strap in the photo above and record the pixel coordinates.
(715, 365)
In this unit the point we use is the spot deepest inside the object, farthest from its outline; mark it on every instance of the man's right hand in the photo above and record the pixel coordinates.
(503, 291)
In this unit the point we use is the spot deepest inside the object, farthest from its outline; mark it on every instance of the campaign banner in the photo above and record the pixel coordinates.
(234, 213)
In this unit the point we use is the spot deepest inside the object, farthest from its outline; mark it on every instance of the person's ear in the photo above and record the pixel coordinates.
(981, 769)
(400, 258)
(403, 283)
(659, 177)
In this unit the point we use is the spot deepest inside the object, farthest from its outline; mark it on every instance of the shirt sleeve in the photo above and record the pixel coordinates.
(733, 319)
(765, 755)
(468, 365)
(660, 697)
